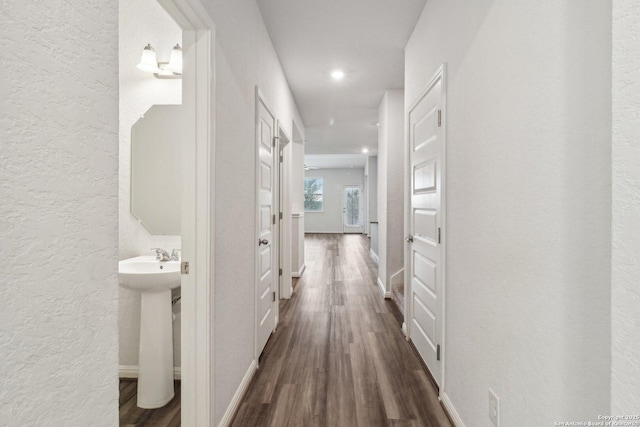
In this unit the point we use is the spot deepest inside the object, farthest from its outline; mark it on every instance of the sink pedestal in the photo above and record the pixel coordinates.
(154, 280)
(155, 377)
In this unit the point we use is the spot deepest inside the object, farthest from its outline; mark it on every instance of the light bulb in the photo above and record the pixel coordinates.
(148, 61)
(175, 61)
(337, 74)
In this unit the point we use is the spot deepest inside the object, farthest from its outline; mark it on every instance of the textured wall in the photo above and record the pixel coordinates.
(330, 221)
(390, 208)
(625, 295)
(141, 22)
(244, 58)
(59, 214)
(528, 220)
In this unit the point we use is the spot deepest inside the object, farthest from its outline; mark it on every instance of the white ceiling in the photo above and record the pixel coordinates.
(366, 39)
(335, 161)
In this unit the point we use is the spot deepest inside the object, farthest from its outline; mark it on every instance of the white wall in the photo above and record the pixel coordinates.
(528, 222)
(297, 177)
(297, 202)
(244, 58)
(330, 220)
(141, 22)
(59, 210)
(625, 294)
(372, 189)
(390, 186)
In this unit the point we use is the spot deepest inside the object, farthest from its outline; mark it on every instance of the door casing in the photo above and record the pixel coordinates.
(285, 289)
(198, 222)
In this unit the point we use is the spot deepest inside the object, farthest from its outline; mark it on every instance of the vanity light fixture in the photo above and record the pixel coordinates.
(161, 70)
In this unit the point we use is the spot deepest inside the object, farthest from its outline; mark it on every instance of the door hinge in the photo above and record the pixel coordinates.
(439, 118)
(280, 215)
(438, 234)
(437, 351)
(281, 159)
(274, 218)
(280, 272)
(274, 298)
(184, 267)
(275, 138)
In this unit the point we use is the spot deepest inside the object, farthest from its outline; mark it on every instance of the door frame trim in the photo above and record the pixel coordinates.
(275, 247)
(198, 187)
(284, 206)
(441, 75)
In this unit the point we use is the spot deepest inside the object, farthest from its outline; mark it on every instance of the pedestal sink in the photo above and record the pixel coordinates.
(154, 280)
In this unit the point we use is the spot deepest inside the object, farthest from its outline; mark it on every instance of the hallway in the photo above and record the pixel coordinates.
(338, 357)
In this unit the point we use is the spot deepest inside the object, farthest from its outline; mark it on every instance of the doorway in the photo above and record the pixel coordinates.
(198, 187)
(267, 161)
(352, 208)
(425, 203)
(285, 284)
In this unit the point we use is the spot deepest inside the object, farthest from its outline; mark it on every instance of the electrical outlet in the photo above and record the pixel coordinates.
(494, 408)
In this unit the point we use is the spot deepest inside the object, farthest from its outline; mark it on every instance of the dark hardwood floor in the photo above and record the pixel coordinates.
(338, 357)
(131, 415)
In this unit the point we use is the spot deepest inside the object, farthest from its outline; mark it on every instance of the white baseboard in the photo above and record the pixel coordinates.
(298, 273)
(397, 278)
(237, 397)
(383, 288)
(455, 417)
(131, 371)
(374, 256)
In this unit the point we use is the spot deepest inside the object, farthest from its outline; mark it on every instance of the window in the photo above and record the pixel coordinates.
(313, 196)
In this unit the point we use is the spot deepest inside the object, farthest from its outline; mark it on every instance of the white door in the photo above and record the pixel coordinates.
(266, 256)
(424, 260)
(352, 209)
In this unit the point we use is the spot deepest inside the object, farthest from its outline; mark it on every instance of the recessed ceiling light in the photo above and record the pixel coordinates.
(377, 124)
(365, 150)
(332, 122)
(337, 74)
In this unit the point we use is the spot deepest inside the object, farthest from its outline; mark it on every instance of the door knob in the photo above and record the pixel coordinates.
(409, 238)
(263, 242)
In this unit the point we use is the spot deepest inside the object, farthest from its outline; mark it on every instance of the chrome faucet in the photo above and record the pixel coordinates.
(175, 254)
(161, 254)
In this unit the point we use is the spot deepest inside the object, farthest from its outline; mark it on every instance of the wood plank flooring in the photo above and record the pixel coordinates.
(131, 415)
(338, 357)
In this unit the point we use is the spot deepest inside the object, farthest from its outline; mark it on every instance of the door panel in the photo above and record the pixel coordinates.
(266, 270)
(425, 223)
(425, 252)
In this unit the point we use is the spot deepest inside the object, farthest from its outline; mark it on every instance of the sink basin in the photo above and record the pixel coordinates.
(147, 274)
(154, 280)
